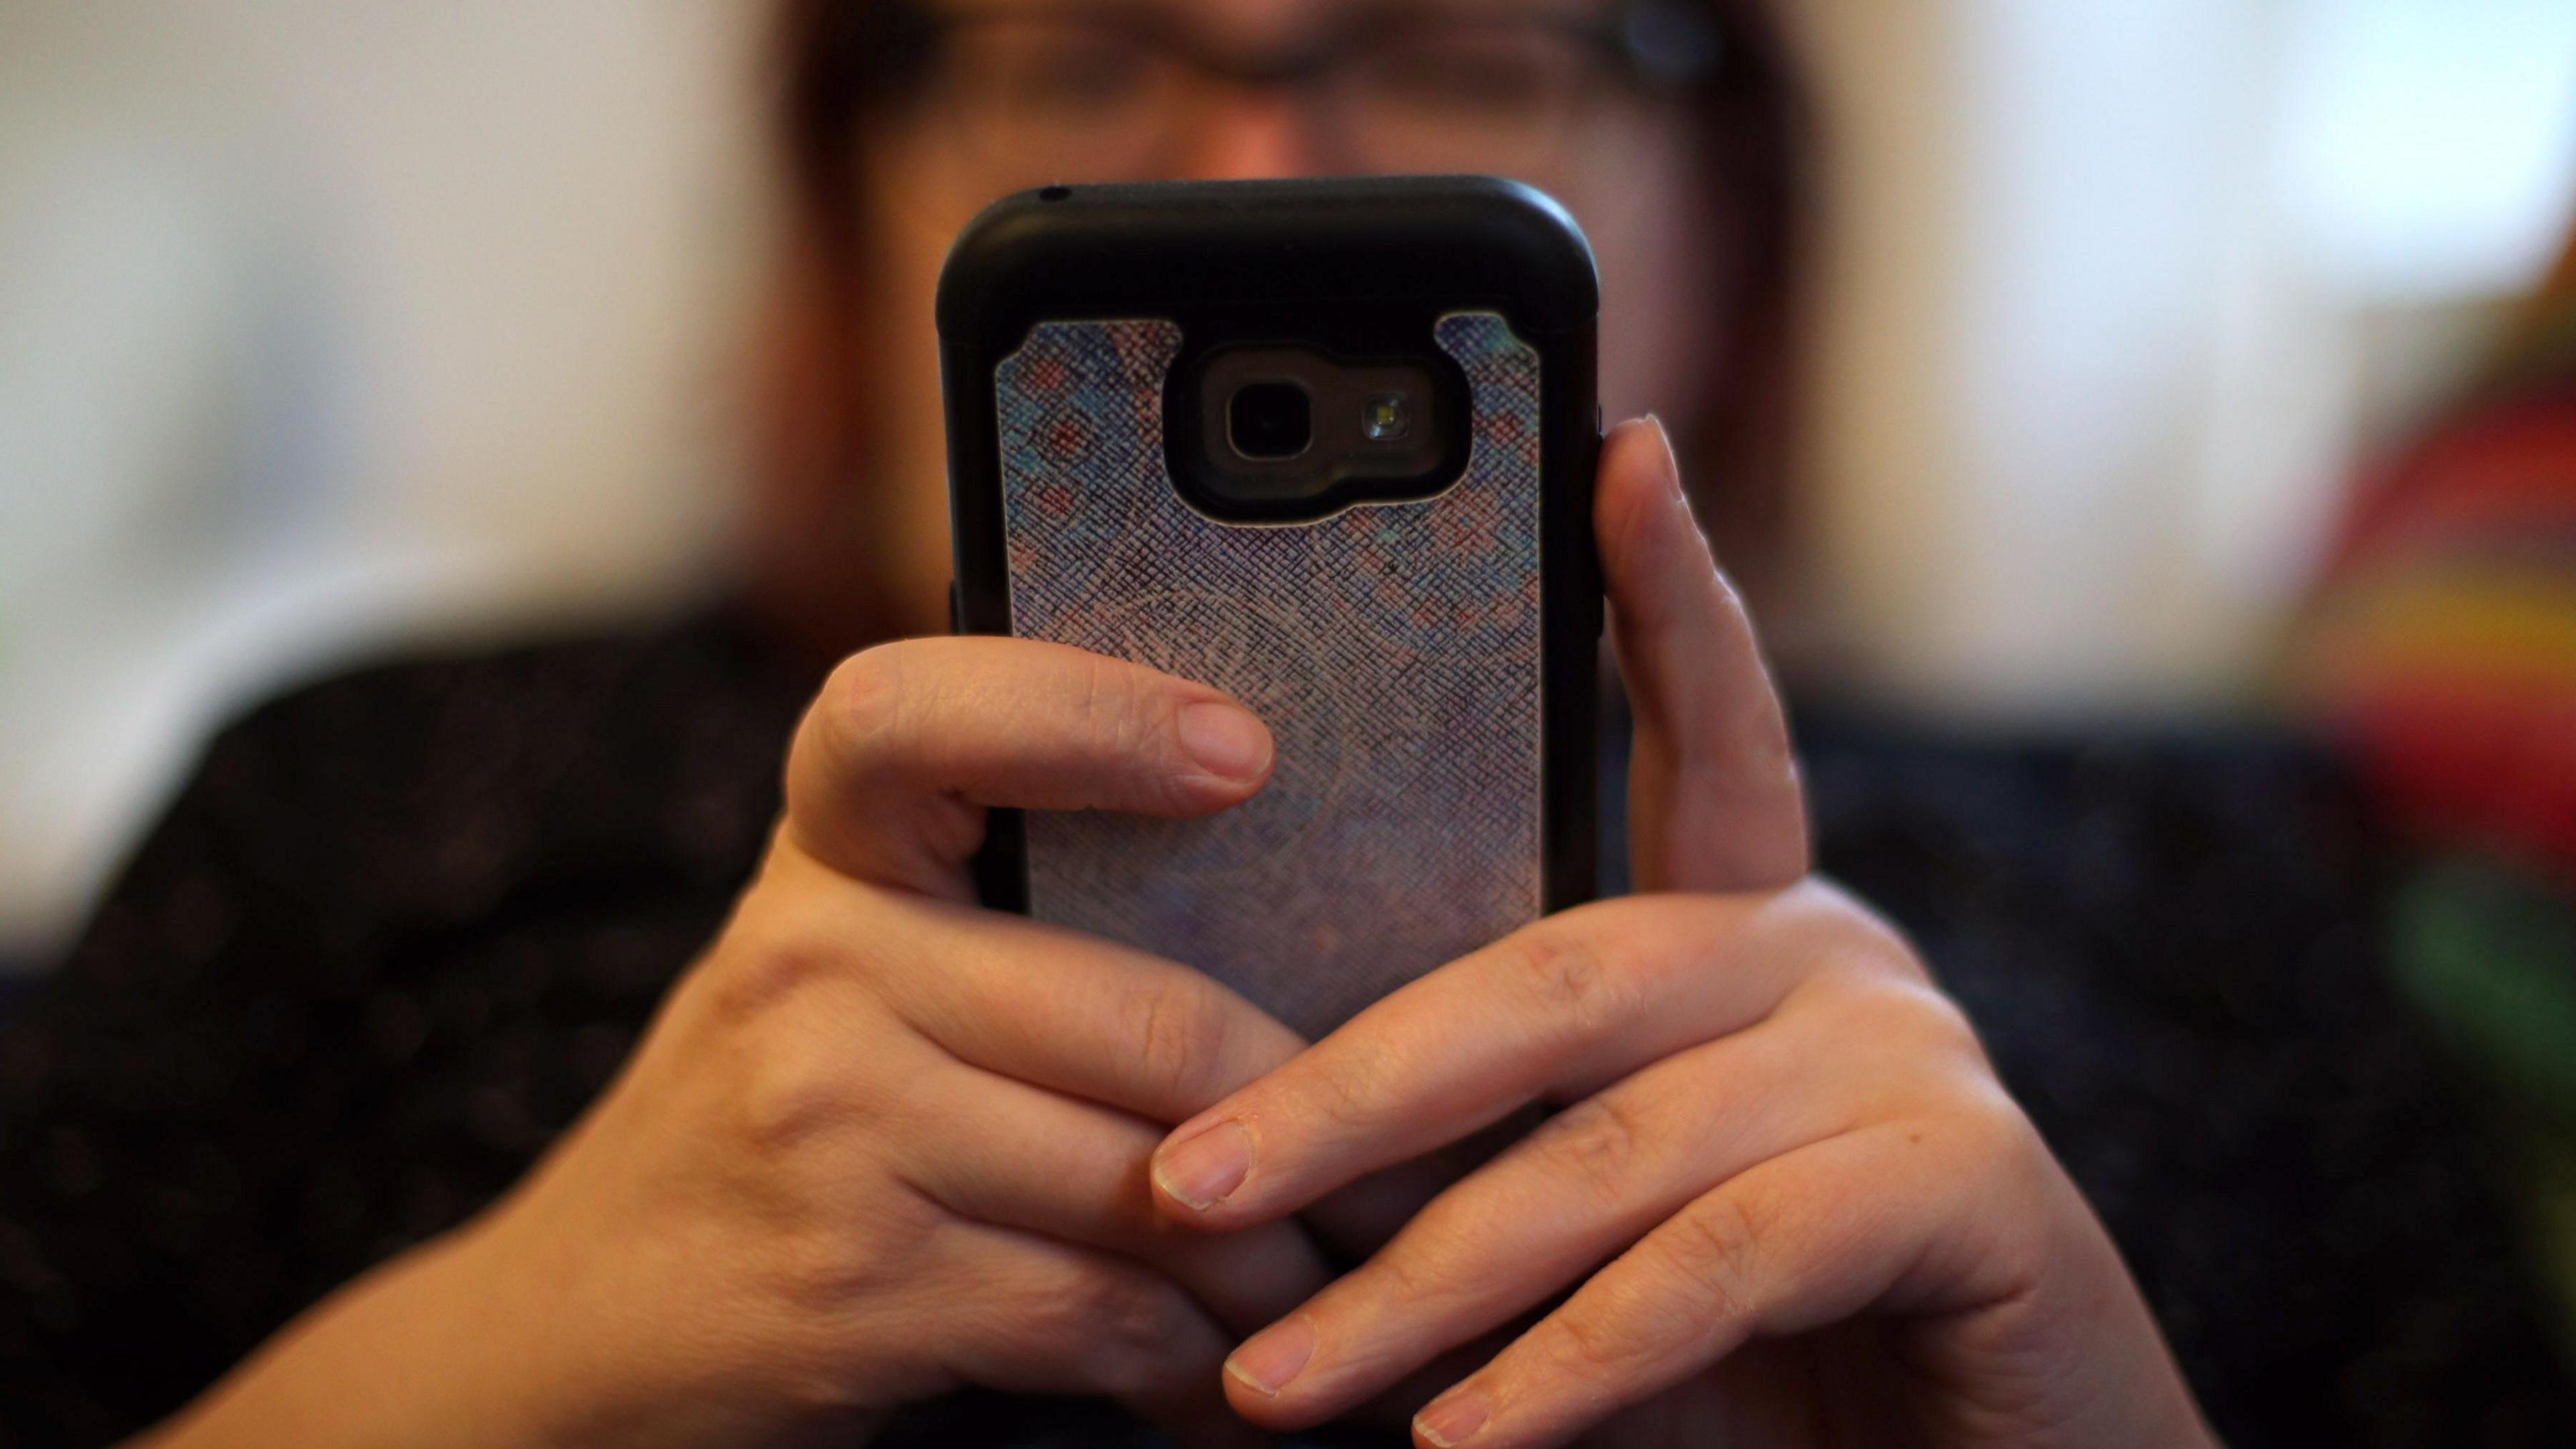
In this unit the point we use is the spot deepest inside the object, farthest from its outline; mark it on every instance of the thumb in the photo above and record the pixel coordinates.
(1714, 799)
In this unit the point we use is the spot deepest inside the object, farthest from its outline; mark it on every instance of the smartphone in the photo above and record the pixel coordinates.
(1326, 445)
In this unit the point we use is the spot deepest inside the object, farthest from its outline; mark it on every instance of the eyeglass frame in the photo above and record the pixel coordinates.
(1652, 45)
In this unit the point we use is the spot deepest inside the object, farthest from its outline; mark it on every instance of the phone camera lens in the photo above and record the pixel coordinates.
(1270, 420)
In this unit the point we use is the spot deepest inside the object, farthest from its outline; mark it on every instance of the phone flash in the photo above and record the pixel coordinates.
(1384, 419)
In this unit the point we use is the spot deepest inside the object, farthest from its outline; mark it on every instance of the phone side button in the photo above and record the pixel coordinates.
(1598, 438)
(956, 614)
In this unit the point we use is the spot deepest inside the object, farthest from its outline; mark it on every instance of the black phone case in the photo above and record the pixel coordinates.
(1393, 647)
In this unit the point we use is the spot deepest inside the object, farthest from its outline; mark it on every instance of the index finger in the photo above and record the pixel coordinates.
(1548, 1013)
(894, 764)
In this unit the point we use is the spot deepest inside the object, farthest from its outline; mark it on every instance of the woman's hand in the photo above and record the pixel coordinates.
(877, 1145)
(1790, 1200)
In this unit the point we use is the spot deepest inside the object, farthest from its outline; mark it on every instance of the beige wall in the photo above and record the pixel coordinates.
(325, 323)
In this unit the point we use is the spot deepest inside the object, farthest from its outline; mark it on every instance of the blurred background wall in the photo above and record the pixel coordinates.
(331, 325)
(2120, 288)
(328, 324)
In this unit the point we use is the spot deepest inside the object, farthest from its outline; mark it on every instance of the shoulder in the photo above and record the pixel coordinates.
(399, 929)
(426, 783)
(384, 825)
(396, 828)
(419, 733)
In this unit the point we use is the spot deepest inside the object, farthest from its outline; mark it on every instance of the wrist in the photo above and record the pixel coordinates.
(413, 1352)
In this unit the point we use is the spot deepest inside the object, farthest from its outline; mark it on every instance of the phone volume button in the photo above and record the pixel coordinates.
(1599, 621)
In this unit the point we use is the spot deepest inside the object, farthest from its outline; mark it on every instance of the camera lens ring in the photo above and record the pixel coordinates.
(1270, 420)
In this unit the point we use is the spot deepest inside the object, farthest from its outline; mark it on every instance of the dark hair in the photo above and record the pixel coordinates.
(1754, 138)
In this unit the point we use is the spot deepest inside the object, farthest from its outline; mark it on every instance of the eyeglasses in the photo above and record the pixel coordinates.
(1079, 93)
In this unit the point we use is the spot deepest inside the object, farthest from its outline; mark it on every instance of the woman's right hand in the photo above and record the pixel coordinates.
(878, 1144)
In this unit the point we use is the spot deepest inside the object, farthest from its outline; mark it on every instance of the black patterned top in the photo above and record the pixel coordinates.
(403, 924)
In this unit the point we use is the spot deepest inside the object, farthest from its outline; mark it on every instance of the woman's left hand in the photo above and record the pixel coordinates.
(1789, 1198)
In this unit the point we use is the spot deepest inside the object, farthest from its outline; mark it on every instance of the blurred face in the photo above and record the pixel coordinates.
(1022, 93)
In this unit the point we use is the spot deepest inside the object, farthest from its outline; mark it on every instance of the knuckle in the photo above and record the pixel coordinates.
(1942, 1025)
(1840, 930)
(1127, 1336)
(1586, 1345)
(1439, 1261)
(2010, 1178)
(1997, 1140)
(1178, 1036)
(1349, 1099)
(795, 1091)
(1414, 1272)
(767, 962)
(1110, 708)
(1568, 975)
(825, 1266)
(783, 1016)
(1600, 1143)
(1715, 1247)
(1911, 1022)
(1046, 1313)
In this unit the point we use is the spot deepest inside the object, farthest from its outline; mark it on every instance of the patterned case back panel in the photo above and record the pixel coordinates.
(1393, 649)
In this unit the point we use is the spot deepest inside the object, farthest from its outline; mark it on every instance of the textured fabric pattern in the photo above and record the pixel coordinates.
(1393, 649)
(401, 926)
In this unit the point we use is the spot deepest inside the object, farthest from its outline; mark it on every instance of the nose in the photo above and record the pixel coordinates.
(1251, 134)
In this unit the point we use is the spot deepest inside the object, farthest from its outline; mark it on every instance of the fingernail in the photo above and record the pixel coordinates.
(1199, 1170)
(1274, 1356)
(1451, 1421)
(1224, 740)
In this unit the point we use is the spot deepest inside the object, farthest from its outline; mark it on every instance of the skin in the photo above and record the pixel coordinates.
(879, 1144)
(1773, 1129)
(1628, 181)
